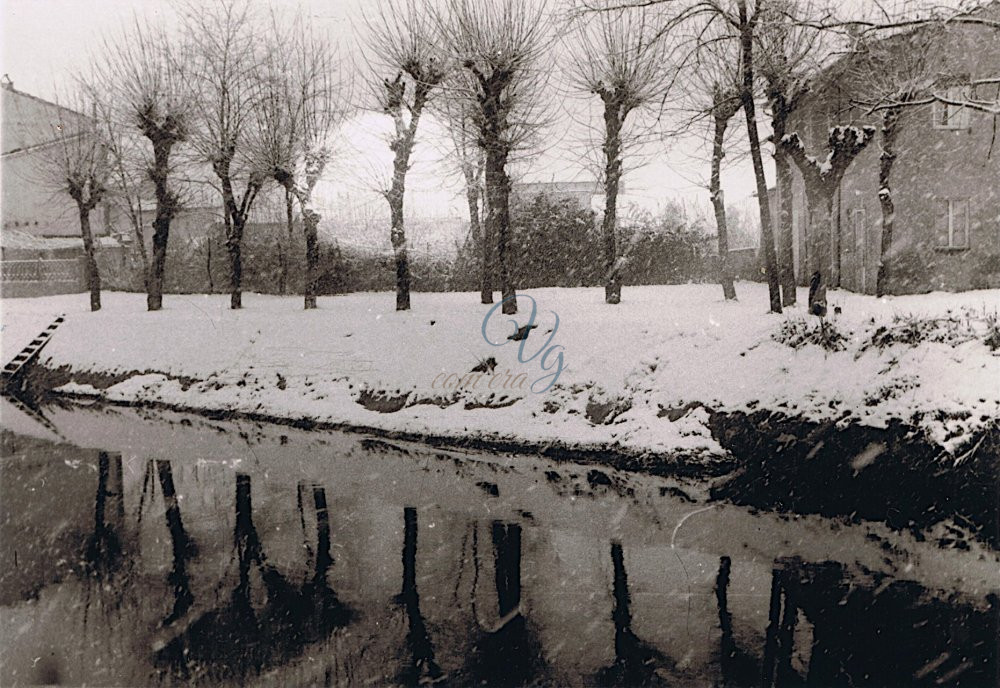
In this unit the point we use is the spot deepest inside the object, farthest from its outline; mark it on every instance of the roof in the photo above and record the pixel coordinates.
(29, 121)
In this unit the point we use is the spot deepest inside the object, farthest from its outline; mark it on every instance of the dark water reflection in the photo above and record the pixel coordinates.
(164, 550)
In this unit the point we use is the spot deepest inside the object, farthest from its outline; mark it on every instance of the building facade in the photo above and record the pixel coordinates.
(32, 201)
(945, 182)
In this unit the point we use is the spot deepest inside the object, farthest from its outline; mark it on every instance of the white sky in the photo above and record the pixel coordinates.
(44, 41)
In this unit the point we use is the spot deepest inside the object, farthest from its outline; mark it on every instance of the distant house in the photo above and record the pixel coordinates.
(945, 181)
(580, 194)
(31, 202)
(41, 251)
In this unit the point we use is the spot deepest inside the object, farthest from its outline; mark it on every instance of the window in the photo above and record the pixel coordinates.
(953, 224)
(859, 230)
(949, 116)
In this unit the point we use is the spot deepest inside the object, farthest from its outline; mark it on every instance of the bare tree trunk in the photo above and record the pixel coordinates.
(166, 206)
(820, 200)
(783, 175)
(289, 219)
(234, 246)
(279, 247)
(310, 223)
(487, 258)
(498, 190)
(476, 231)
(92, 275)
(719, 205)
(890, 118)
(398, 236)
(612, 177)
(750, 109)
(208, 265)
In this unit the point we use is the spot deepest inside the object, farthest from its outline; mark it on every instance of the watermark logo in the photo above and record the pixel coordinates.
(549, 356)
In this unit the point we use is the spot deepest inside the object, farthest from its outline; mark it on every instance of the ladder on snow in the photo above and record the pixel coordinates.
(11, 372)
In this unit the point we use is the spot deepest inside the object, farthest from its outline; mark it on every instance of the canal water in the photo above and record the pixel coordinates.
(158, 548)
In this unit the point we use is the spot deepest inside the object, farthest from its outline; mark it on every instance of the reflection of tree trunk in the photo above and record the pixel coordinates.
(246, 540)
(785, 675)
(621, 614)
(324, 560)
(726, 645)
(104, 547)
(182, 546)
(719, 205)
(636, 662)
(507, 547)
(773, 621)
(423, 668)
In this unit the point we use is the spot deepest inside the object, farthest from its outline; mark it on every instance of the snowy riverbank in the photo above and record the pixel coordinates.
(632, 376)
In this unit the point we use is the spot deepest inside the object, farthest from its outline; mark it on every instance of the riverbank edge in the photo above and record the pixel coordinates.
(766, 454)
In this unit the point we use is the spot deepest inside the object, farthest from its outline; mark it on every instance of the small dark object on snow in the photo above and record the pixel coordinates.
(837, 310)
(522, 333)
(486, 365)
(432, 322)
(816, 307)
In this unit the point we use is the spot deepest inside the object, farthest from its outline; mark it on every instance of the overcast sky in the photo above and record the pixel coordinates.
(44, 41)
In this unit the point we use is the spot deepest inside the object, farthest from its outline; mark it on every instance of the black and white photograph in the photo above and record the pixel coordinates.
(467, 343)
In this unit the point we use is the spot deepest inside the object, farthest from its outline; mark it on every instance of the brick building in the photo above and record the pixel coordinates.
(945, 181)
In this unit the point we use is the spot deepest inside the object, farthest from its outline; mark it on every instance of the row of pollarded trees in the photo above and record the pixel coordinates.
(779, 53)
(484, 58)
(257, 99)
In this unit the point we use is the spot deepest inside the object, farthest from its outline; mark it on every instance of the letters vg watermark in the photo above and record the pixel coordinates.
(550, 358)
(551, 354)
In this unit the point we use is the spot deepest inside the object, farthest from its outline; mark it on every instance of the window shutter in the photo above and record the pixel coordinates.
(941, 224)
(960, 223)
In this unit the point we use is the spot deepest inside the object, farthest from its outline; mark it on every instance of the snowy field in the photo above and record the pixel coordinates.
(627, 372)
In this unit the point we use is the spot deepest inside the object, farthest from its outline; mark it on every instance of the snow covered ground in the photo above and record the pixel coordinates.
(627, 369)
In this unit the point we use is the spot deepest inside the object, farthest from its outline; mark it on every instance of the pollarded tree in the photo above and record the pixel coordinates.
(499, 43)
(711, 85)
(405, 46)
(743, 18)
(787, 57)
(746, 21)
(78, 164)
(621, 56)
(300, 107)
(892, 74)
(224, 65)
(468, 158)
(822, 178)
(127, 171)
(143, 75)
